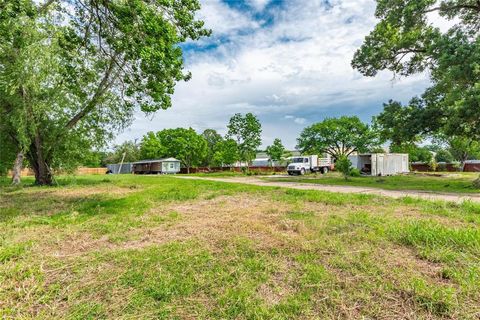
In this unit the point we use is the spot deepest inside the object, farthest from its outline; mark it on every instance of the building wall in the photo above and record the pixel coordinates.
(126, 168)
(381, 164)
(170, 167)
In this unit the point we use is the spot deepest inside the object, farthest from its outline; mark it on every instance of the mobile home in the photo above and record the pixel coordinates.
(380, 164)
(165, 166)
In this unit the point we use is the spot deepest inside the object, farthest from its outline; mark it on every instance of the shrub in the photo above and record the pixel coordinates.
(433, 164)
(344, 165)
(457, 165)
(476, 183)
(354, 172)
(442, 167)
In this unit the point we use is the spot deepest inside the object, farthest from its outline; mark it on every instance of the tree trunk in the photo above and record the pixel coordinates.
(17, 169)
(43, 177)
(463, 159)
(39, 164)
(188, 170)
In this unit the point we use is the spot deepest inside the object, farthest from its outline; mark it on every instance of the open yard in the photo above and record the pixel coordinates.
(456, 182)
(167, 248)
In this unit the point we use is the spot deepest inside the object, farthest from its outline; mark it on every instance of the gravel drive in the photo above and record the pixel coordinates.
(452, 197)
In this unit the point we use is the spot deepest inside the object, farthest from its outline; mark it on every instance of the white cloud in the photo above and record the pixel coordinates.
(300, 120)
(291, 73)
(222, 19)
(259, 5)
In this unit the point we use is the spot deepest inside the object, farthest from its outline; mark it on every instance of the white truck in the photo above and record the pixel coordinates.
(307, 164)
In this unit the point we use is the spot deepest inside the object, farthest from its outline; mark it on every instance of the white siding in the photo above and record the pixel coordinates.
(382, 164)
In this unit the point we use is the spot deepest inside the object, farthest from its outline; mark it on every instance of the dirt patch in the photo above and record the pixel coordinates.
(212, 221)
(216, 220)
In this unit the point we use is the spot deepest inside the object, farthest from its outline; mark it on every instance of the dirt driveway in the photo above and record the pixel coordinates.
(452, 197)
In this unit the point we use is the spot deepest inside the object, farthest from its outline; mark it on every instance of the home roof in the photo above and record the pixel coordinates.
(157, 160)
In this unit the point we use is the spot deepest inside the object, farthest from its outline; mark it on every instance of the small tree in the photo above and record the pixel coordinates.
(463, 149)
(213, 139)
(150, 147)
(184, 144)
(344, 165)
(415, 153)
(246, 130)
(276, 151)
(226, 153)
(337, 137)
(444, 156)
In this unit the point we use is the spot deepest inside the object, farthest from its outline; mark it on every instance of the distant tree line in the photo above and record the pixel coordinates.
(337, 137)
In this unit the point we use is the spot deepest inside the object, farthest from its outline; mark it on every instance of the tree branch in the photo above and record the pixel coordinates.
(45, 6)
(456, 7)
(102, 87)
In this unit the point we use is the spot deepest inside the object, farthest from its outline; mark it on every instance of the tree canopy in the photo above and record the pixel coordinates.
(276, 151)
(130, 149)
(406, 41)
(73, 72)
(246, 130)
(184, 144)
(226, 153)
(337, 137)
(415, 153)
(213, 139)
(463, 148)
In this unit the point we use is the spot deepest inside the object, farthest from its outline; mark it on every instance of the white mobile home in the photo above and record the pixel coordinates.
(381, 164)
(165, 166)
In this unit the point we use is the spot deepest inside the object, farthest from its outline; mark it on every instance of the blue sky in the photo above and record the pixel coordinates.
(287, 61)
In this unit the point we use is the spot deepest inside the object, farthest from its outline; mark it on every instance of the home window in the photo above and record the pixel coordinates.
(171, 165)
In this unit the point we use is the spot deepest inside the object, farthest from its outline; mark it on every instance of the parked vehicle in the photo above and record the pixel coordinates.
(307, 164)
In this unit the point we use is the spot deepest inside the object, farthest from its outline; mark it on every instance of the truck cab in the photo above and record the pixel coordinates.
(299, 165)
(306, 164)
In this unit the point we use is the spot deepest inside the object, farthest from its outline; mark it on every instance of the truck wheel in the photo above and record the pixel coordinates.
(324, 170)
(290, 173)
(302, 172)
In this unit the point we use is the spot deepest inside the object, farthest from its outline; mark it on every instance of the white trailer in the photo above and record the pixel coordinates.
(304, 164)
(381, 164)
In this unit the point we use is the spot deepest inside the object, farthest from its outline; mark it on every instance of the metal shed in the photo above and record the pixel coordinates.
(381, 164)
(126, 167)
(165, 166)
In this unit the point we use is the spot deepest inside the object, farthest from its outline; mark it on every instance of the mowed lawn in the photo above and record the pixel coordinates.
(158, 247)
(460, 182)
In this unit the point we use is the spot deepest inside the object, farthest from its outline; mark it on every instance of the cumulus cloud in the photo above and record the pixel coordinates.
(288, 63)
(300, 120)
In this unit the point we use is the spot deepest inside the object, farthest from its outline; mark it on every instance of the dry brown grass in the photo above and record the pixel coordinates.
(366, 274)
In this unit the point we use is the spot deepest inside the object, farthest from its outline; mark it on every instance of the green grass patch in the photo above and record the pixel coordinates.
(166, 248)
(448, 182)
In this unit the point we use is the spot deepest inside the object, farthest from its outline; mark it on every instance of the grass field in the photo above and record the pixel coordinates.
(130, 247)
(441, 182)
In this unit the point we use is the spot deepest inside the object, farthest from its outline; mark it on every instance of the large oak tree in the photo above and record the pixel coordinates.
(73, 72)
(338, 137)
(406, 41)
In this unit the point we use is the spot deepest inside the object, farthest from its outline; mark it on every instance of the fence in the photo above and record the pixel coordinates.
(80, 171)
(469, 166)
(425, 167)
(234, 169)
